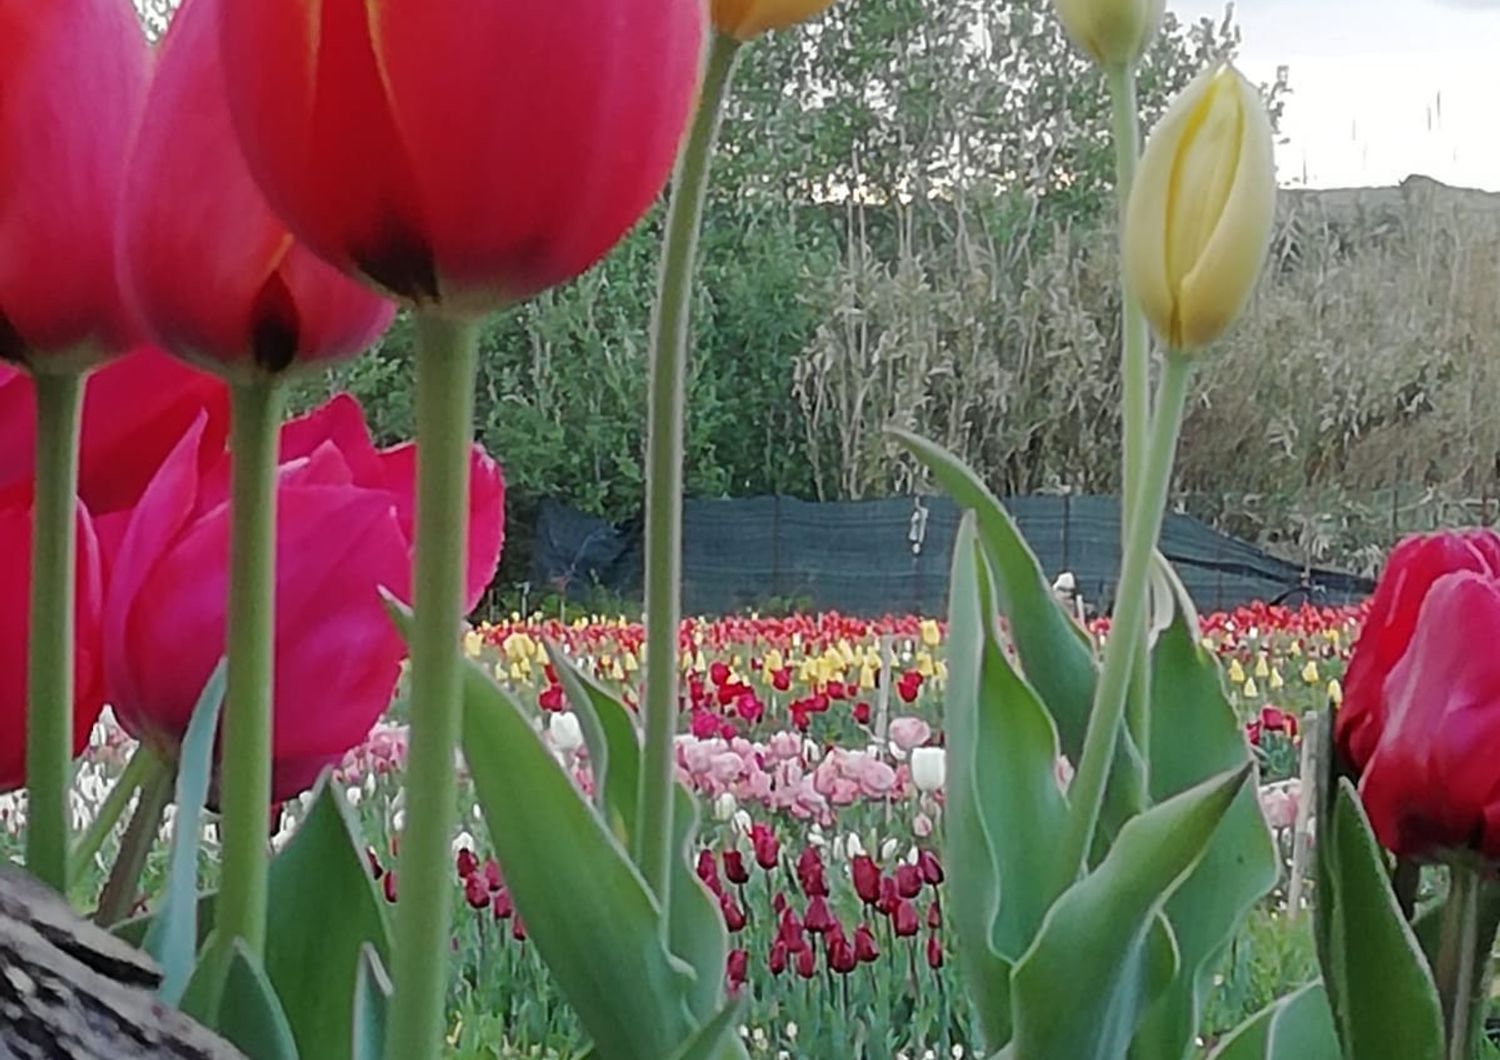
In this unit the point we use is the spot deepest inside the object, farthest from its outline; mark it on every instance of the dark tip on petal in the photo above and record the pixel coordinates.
(401, 262)
(274, 331)
(12, 346)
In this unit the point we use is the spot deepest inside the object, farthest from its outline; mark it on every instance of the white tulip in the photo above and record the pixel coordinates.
(725, 805)
(566, 733)
(929, 768)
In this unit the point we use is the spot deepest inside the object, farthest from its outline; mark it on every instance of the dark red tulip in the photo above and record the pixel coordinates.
(708, 871)
(865, 949)
(344, 512)
(807, 962)
(259, 302)
(810, 873)
(862, 712)
(734, 868)
(465, 863)
(471, 155)
(501, 905)
(476, 893)
(777, 960)
(1432, 785)
(734, 916)
(767, 849)
(1252, 733)
(736, 967)
(490, 872)
(15, 578)
(789, 932)
(377, 870)
(518, 928)
(908, 881)
(841, 956)
(718, 673)
(72, 83)
(934, 952)
(388, 885)
(930, 867)
(1272, 719)
(889, 899)
(934, 916)
(819, 918)
(1414, 565)
(778, 903)
(866, 878)
(781, 680)
(904, 920)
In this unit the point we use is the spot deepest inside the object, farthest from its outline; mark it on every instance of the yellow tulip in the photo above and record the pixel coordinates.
(1111, 32)
(1335, 692)
(1249, 688)
(1276, 679)
(1310, 672)
(1236, 672)
(1262, 670)
(1200, 213)
(473, 642)
(773, 661)
(931, 635)
(743, 19)
(924, 664)
(866, 677)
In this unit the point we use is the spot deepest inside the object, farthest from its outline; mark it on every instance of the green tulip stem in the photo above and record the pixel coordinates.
(1135, 371)
(124, 882)
(141, 769)
(653, 840)
(1087, 791)
(245, 764)
(446, 357)
(1457, 958)
(49, 676)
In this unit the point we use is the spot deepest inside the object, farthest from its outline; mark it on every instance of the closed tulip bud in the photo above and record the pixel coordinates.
(904, 920)
(928, 768)
(476, 893)
(1111, 32)
(744, 19)
(1200, 212)
(565, 732)
(734, 868)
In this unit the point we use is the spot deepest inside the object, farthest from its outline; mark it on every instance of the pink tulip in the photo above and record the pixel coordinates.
(907, 732)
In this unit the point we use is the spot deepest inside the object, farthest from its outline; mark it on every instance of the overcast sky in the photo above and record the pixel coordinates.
(1380, 88)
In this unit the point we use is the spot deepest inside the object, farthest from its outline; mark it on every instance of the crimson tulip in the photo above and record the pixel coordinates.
(135, 410)
(15, 577)
(1414, 566)
(72, 79)
(470, 155)
(257, 301)
(344, 531)
(1432, 784)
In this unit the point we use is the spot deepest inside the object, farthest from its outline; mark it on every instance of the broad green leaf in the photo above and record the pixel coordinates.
(1384, 1002)
(173, 935)
(372, 996)
(250, 1015)
(613, 743)
(1195, 735)
(973, 881)
(1078, 992)
(600, 935)
(1054, 652)
(324, 902)
(695, 930)
(1296, 1027)
(716, 1039)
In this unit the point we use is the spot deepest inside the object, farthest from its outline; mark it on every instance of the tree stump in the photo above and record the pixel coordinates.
(69, 990)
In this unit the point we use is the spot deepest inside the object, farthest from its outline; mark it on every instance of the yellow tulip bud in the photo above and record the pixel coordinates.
(1249, 688)
(1310, 672)
(743, 19)
(1236, 672)
(1335, 692)
(1111, 32)
(931, 635)
(1262, 670)
(1200, 212)
(1276, 679)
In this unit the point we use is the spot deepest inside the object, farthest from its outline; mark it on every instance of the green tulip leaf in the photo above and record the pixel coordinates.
(1385, 1004)
(372, 997)
(695, 930)
(601, 936)
(172, 937)
(1054, 652)
(716, 1039)
(973, 879)
(1296, 1027)
(250, 1015)
(323, 900)
(1101, 955)
(1195, 735)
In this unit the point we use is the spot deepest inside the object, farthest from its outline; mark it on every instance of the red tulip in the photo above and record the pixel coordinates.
(1409, 574)
(501, 906)
(767, 849)
(15, 579)
(465, 863)
(841, 956)
(734, 916)
(734, 868)
(904, 919)
(810, 873)
(490, 873)
(1432, 784)
(789, 932)
(388, 886)
(819, 918)
(934, 952)
(135, 410)
(865, 949)
(930, 867)
(72, 80)
(708, 871)
(476, 893)
(807, 962)
(735, 968)
(777, 960)
(258, 301)
(908, 881)
(866, 878)
(343, 532)
(472, 155)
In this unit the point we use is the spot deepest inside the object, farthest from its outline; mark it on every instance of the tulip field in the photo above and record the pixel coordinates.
(815, 746)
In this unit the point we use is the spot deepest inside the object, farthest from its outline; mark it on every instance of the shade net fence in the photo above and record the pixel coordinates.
(888, 556)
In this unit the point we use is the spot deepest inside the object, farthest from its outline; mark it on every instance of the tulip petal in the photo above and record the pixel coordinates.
(72, 77)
